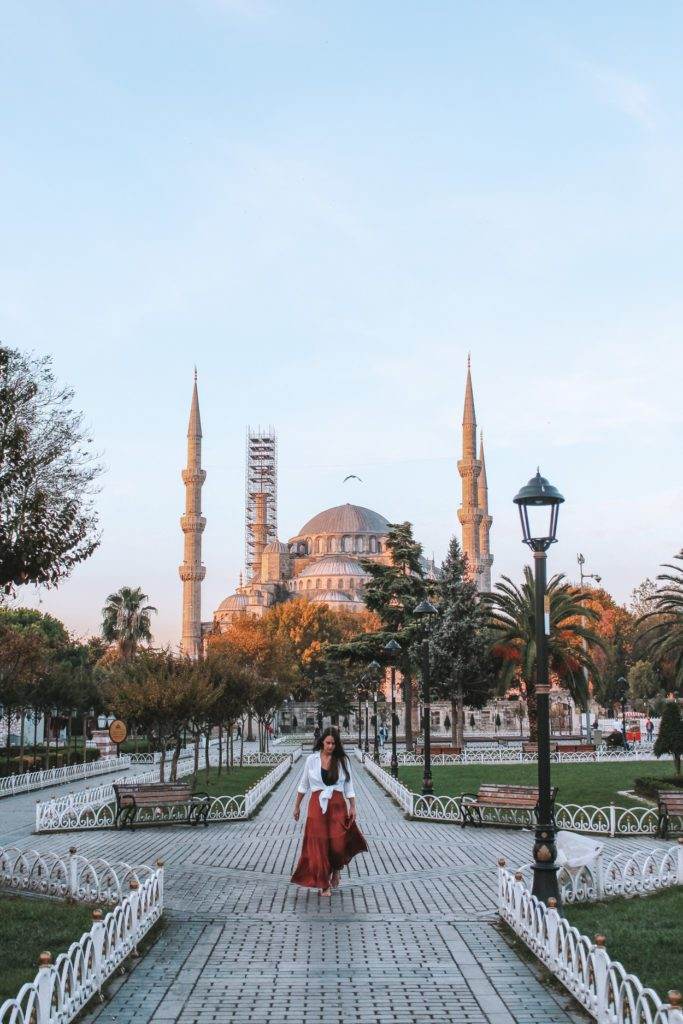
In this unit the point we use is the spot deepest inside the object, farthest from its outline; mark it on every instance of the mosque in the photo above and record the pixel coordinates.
(322, 562)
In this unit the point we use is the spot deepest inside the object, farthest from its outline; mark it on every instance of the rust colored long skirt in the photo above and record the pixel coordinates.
(330, 842)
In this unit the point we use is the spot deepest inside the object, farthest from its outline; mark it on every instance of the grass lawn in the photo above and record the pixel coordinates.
(597, 784)
(29, 926)
(230, 783)
(644, 933)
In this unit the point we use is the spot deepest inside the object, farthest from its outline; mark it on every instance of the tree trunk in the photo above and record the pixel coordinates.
(532, 712)
(220, 748)
(22, 730)
(231, 751)
(408, 709)
(174, 760)
(242, 744)
(250, 728)
(162, 762)
(195, 770)
(85, 739)
(207, 740)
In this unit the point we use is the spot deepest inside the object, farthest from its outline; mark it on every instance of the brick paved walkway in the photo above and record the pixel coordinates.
(410, 937)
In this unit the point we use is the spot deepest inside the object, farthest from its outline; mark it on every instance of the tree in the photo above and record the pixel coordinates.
(670, 736)
(462, 668)
(643, 683)
(641, 596)
(23, 655)
(512, 622)
(126, 620)
(392, 593)
(661, 628)
(231, 681)
(48, 471)
(615, 626)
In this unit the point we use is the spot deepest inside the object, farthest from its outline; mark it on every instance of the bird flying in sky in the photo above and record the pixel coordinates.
(352, 476)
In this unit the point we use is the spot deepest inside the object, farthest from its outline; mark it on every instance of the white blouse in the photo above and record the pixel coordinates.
(312, 779)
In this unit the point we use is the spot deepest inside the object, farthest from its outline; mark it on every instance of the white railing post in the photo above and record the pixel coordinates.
(599, 875)
(44, 987)
(97, 935)
(552, 924)
(612, 819)
(134, 897)
(601, 962)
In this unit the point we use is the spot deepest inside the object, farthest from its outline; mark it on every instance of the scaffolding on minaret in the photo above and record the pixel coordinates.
(260, 497)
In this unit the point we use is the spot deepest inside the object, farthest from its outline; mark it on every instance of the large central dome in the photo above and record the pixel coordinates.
(345, 519)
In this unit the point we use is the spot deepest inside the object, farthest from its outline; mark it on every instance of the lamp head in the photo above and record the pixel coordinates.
(539, 504)
(392, 648)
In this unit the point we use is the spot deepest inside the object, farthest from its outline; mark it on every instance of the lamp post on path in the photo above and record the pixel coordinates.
(374, 668)
(539, 505)
(392, 649)
(426, 612)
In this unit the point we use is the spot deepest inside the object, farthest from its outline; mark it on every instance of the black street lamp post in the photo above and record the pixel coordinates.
(426, 612)
(366, 748)
(538, 498)
(623, 690)
(392, 649)
(374, 669)
(360, 722)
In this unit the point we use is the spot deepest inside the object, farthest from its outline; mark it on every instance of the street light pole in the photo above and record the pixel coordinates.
(374, 668)
(392, 649)
(586, 576)
(537, 495)
(366, 748)
(426, 611)
(623, 690)
(360, 723)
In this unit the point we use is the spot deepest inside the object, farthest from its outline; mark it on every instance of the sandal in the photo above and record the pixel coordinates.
(326, 892)
(335, 880)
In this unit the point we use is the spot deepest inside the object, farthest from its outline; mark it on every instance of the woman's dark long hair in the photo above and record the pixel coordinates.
(339, 755)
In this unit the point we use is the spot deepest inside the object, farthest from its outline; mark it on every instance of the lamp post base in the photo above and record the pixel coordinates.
(545, 867)
(427, 786)
(394, 766)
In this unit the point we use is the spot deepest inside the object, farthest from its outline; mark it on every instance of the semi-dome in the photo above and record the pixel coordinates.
(331, 597)
(234, 603)
(275, 547)
(333, 565)
(345, 519)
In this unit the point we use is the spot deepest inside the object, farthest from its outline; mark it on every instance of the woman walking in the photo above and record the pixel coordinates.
(332, 837)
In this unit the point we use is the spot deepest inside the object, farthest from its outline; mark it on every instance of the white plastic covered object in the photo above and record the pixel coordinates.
(574, 851)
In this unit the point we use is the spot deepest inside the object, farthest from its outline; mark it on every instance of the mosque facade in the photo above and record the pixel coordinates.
(322, 561)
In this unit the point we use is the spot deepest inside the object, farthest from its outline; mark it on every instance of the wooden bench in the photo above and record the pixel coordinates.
(131, 796)
(504, 797)
(532, 748)
(576, 748)
(669, 805)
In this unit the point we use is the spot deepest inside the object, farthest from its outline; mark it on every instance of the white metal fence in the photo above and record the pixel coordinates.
(96, 809)
(516, 755)
(68, 875)
(601, 985)
(24, 782)
(607, 821)
(61, 989)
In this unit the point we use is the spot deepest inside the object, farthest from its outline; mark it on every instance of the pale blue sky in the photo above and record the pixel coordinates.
(325, 206)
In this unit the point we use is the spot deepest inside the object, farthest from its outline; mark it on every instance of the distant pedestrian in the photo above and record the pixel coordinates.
(316, 735)
(649, 728)
(239, 731)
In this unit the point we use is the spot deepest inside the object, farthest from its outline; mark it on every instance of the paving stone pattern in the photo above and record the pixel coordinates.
(411, 936)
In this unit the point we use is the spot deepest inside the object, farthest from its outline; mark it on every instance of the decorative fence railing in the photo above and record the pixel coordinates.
(606, 821)
(628, 873)
(601, 985)
(68, 875)
(24, 782)
(61, 989)
(96, 809)
(512, 755)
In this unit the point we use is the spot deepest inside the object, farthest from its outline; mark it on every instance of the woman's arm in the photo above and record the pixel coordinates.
(304, 786)
(352, 808)
(297, 805)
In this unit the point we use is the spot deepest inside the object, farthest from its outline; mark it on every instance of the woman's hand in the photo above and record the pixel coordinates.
(352, 812)
(297, 812)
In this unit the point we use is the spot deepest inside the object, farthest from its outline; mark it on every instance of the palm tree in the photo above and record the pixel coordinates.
(512, 620)
(126, 620)
(661, 637)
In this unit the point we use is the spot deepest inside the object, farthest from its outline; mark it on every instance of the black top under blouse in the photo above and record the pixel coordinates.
(326, 776)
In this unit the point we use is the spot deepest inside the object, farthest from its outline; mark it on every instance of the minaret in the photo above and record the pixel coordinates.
(260, 530)
(485, 556)
(192, 523)
(469, 467)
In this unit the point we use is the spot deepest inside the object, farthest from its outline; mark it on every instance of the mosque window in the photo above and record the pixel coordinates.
(373, 545)
(317, 583)
(319, 545)
(352, 583)
(346, 544)
(308, 584)
(330, 544)
(340, 584)
(329, 584)
(359, 543)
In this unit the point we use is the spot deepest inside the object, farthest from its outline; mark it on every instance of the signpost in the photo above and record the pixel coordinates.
(118, 731)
